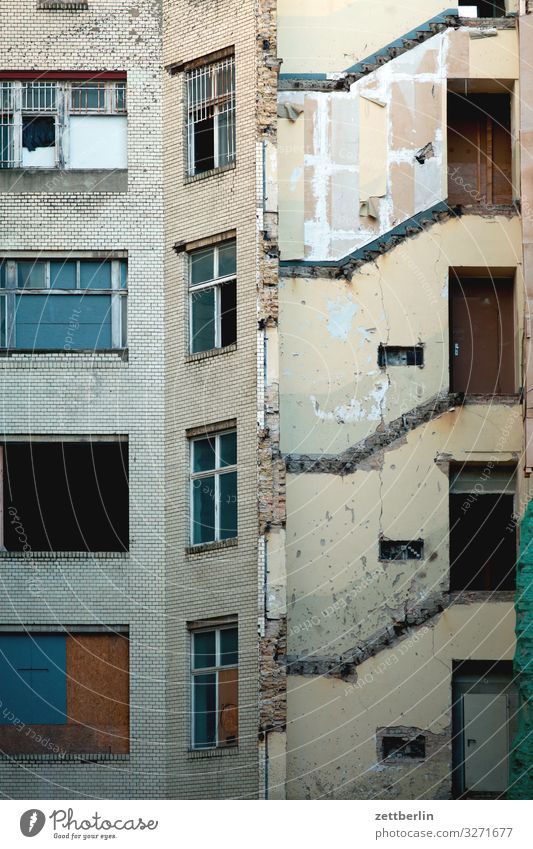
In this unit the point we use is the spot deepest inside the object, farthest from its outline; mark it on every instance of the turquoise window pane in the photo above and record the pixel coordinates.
(203, 510)
(3, 275)
(228, 505)
(202, 266)
(203, 320)
(229, 655)
(63, 275)
(227, 259)
(31, 275)
(123, 275)
(204, 650)
(33, 685)
(203, 454)
(205, 707)
(65, 322)
(87, 96)
(2, 322)
(95, 274)
(228, 449)
(124, 321)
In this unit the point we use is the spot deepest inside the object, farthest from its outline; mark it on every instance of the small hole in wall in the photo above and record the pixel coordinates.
(401, 549)
(394, 747)
(400, 355)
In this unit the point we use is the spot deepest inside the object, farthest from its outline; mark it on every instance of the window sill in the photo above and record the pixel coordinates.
(201, 754)
(492, 399)
(67, 758)
(212, 546)
(52, 180)
(212, 352)
(63, 555)
(62, 5)
(481, 596)
(195, 178)
(30, 358)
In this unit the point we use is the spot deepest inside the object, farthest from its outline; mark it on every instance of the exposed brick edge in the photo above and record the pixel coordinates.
(348, 461)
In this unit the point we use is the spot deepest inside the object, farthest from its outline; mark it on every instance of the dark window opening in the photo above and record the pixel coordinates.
(483, 542)
(482, 336)
(204, 146)
(228, 313)
(66, 496)
(38, 132)
(403, 748)
(401, 549)
(398, 355)
(479, 149)
(486, 8)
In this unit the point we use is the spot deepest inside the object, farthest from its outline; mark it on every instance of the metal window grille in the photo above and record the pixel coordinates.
(98, 97)
(39, 96)
(7, 153)
(211, 95)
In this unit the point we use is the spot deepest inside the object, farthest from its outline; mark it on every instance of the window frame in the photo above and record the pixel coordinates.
(216, 473)
(12, 107)
(11, 291)
(194, 78)
(217, 282)
(209, 670)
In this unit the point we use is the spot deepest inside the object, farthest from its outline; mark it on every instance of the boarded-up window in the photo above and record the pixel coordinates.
(482, 345)
(64, 693)
(479, 149)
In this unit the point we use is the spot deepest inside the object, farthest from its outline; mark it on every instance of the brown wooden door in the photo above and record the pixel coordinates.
(482, 336)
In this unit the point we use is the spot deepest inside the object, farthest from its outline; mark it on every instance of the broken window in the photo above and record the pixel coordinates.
(63, 304)
(403, 748)
(211, 116)
(213, 297)
(401, 549)
(65, 496)
(214, 487)
(483, 528)
(215, 702)
(479, 149)
(482, 336)
(61, 124)
(71, 690)
(482, 9)
(397, 355)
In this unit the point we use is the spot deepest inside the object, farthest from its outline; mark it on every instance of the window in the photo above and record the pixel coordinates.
(396, 355)
(211, 116)
(58, 124)
(400, 549)
(65, 496)
(213, 297)
(483, 528)
(63, 304)
(479, 147)
(482, 9)
(215, 687)
(482, 335)
(64, 692)
(214, 487)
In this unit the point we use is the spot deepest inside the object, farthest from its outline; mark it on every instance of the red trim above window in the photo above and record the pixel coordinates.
(62, 75)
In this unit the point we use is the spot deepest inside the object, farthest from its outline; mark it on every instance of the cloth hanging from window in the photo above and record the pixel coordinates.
(38, 132)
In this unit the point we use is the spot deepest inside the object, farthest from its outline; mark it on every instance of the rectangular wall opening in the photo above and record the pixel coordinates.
(400, 355)
(65, 496)
(483, 530)
(484, 721)
(392, 549)
(482, 335)
(479, 148)
(482, 9)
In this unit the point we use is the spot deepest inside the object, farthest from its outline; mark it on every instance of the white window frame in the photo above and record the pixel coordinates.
(216, 473)
(12, 291)
(196, 80)
(208, 671)
(216, 283)
(13, 111)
